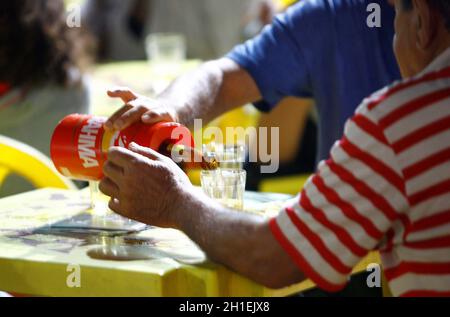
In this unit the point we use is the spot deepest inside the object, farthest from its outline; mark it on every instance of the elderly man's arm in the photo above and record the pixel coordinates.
(209, 91)
(243, 242)
(150, 188)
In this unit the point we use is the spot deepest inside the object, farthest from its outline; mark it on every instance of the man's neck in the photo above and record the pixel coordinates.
(442, 45)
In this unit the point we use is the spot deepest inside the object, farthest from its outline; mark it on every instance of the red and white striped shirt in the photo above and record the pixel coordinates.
(386, 187)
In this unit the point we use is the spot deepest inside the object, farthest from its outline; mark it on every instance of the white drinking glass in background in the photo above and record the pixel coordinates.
(165, 52)
(166, 47)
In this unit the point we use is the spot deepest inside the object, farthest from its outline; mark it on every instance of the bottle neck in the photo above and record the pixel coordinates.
(190, 157)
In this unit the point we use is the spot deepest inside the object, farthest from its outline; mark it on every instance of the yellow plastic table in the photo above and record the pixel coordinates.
(158, 262)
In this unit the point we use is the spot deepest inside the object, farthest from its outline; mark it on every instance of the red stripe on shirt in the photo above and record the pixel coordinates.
(437, 220)
(318, 244)
(435, 243)
(426, 164)
(364, 190)
(417, 268)
(370, 128)
(421, 134)
(413, 106)
(375, 164)
(445, 73)
(343, 236)
(301, 262)
(347, 208)
(430, 192)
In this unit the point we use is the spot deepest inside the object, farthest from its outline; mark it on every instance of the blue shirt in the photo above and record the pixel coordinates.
(322, 49)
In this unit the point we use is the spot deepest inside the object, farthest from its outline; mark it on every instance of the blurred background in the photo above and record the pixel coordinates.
(50, 70)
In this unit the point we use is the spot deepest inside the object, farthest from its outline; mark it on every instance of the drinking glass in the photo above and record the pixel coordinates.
(165, 52)
(166, 47)
(227, 186)
(230, 156)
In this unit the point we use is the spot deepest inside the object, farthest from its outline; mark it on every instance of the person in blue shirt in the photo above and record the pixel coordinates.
(323, 49)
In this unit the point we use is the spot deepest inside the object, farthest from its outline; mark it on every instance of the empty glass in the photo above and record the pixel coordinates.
(166, 47)
(166, 52)
(226, 186)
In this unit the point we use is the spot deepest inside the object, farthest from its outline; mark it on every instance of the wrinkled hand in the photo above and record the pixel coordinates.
(138, 108)
(144, 185)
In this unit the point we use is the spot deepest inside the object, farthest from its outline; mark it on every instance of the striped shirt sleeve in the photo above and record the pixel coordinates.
(346, 208)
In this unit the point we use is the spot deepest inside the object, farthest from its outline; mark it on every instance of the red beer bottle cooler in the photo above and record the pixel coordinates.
(80, 144)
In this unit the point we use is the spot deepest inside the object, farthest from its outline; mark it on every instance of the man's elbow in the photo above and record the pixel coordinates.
(269, 264)
(277, 271)
(280, 279)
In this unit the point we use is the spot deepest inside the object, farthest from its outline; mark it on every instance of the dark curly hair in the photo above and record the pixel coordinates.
(36, 45)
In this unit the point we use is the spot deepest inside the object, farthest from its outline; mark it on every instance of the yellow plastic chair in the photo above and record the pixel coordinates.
(23, 160)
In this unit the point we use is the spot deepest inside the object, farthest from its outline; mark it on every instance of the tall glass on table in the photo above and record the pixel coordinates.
(227, 183)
